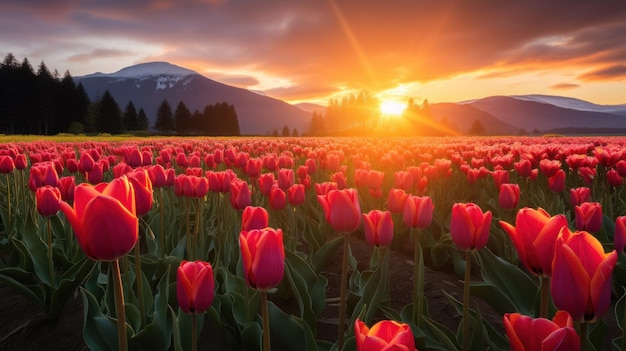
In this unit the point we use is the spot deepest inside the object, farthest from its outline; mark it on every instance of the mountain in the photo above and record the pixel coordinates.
(148, 84)
(534, 113)
(311, 107)
(572, 103)
(460, 118)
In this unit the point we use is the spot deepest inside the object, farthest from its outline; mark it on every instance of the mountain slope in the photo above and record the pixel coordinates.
(460, 118)
(533, 115)
(148, 84)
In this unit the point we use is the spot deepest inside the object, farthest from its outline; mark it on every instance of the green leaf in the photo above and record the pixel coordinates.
(442, 333)
(494, 296)
(21, 281)
(38, 252)
(290, 332)
(308, 288)
(70, 281)
(325, 254)
(251, 337)
(509, 279)
(99, 330)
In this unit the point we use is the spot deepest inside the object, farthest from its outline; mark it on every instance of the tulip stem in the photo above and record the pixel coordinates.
(9, 201)
(50, 258)
(545, 295)
(161, 220)
(266, 322)
(194, 332)
(583, 335)
(418, 281)
(139, 278)
(119, 306)
(342, 292)
(466, 301)
(623, 330)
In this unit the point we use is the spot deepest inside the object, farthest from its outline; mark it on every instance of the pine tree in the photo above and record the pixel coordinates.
(110, 117)
(286, 131)
(164, 122)
(182, 119)
(130, 117)
(142, 120)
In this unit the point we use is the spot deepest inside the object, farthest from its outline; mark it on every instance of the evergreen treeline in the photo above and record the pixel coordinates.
(215, 119)
(43, 103)
(38, 102)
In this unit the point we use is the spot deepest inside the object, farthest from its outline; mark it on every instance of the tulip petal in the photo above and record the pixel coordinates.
(600, 286)
(569, 285)
(268, 264)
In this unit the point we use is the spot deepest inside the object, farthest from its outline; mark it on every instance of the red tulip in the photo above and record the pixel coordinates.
(549, 167)
(66, 186)
(589, 217)
(620, 166)
(296, 194)
(325, 188)
(509, 196)
(523, 168)
(7, 165)
(340, 179)
(143, 190)
(311, 166)
(253, 167)
(579, 195)
(341, 209)
(418, 211)
(86, 162)
(539, 334)
(105, 222)
(619, 237)
(239, 194)
(195, 287)
(533, 236)
(157, 176)
(403, 180)
(254, 218)
(96, 175)
(378, 227)
(262, 257)
(20, 162)
(469, 226)
(500, 176)
(386, 335)
(396, 200)
(581, 276)
(286, 178)
(47, 198)
(278, 199)
(614, 179)
(556, 183)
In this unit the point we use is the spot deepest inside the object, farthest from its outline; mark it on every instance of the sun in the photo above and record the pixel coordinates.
(392, 108)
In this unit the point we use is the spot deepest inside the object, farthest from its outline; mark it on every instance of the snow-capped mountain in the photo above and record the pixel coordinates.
(572, 103)
(148, 84)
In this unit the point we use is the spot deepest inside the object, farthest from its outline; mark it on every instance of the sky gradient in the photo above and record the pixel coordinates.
(311, 50)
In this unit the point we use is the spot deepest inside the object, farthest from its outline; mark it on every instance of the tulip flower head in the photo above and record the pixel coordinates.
(579, 195)
(341, 209)
(195, 287)
(378, 227)
(104, 219)
(619, 237)
(418, 211)
(589, 217)
(533, 236)
(509, 196)
(529, 334)
(262, 257)
(254, 217)
(581, 276)
(47, 198)
(385, 335)
(469, 226)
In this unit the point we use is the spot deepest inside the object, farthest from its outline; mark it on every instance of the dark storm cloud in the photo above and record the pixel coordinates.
(351, 43)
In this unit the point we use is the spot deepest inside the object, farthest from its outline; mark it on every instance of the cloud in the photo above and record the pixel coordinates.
(99, 54)
(565, 86)
(322, 46)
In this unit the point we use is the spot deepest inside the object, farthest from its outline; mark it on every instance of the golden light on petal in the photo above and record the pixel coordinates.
(392, 107)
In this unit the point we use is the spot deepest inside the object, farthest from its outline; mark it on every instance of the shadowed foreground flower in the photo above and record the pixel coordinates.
(541, 334)
(385, 335)
(378, 227)
(194, 286)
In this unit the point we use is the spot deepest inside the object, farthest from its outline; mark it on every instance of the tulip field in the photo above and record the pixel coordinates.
(318, 243)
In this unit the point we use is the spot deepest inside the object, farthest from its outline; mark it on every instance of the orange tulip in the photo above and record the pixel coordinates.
(540, 334)
(581, 276)
(195, 287)
(341, 209)
(533, 237)
(385, 335)
(104, 219)
(378, 227)
(262, 257)
(469, 226)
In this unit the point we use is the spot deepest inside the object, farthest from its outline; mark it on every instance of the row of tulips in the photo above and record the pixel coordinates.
(189, 199)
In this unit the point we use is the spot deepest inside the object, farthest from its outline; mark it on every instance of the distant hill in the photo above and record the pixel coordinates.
(460, 118)
(148, 84)
(530, 115)
(311, 107)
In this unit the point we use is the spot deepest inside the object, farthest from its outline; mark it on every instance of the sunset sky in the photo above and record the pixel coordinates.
(311, 50)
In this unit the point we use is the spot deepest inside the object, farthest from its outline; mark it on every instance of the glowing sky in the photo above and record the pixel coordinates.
(310, 50)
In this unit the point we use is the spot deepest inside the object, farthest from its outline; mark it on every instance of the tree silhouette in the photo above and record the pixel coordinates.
(164, 122)
(130, 117)
(110, 116)
(182, 119)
